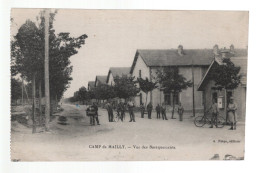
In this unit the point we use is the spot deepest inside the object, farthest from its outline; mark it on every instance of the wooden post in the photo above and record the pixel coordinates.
(46, 71)
(193, 95)
(40, 102)
(33, 104)
(22, 93)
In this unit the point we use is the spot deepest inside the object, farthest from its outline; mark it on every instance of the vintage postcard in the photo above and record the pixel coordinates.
(128, 85)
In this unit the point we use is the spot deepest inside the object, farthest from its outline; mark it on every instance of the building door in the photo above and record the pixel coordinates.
(176, 98)
(167, 99)
(215, 97)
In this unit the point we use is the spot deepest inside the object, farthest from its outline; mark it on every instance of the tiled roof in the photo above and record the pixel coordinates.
(91, 84)
(171, 57)
(118, 71)
(101, 79)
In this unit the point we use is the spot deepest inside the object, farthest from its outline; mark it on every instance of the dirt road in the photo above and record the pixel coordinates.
(145, 139)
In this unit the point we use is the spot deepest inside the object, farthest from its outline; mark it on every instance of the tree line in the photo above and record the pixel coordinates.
(126, 86)
(27, 55)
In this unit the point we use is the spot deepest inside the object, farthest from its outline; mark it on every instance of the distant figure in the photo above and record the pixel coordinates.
(96, 114)
(163, 110)
(131, 111)
(173, 112)
(121, 110)
(214, 118)
(109, 111)
(122, 106)
(180, 111)
(149, 110)
(232, 115)
(92, 112)
(142, 109)
(158, 111)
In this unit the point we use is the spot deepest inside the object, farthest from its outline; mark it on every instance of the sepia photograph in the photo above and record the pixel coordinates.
(128, 85)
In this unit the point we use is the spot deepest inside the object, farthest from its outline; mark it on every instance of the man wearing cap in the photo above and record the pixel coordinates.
(215, 111)
(232, 116)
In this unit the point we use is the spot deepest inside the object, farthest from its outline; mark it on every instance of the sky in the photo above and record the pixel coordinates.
(115, 35)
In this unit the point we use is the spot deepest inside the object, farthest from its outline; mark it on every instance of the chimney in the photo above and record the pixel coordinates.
(232, 49)
(225, 53)
(215, 50)
(180, 50)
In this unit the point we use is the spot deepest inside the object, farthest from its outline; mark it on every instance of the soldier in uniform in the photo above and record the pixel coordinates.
(95, 117)
(131, 111)
(149, 110)
(232, 115)
(121, 110)
(158, 111)
(180, 111)
(214, 118)
(163, 110)
(110, 112)
(142, 108)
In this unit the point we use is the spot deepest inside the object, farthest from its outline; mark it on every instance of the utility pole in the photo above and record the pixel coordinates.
(40, 102)
(22, 92)
(46, 71)
(193, 95)
(34, 103)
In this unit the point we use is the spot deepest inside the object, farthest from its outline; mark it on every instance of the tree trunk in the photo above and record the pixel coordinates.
(33, 104)
(46, 71)
(40, 103)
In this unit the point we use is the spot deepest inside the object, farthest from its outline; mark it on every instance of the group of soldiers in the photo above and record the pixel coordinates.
(120, 110)
(92, 112)
(161, 110)
(231, 112)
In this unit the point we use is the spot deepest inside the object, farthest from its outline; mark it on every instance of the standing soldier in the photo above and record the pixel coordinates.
(96, 114)
(180, 111)
(89, 113)
(232, 115)
(158, 111)
(149, 110)
(173, 112)
(142, 108)
(214, 118)
(131, 111)
(163, 109)
(118, 110)
(109, 111)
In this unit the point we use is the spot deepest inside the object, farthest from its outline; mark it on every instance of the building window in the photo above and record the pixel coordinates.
(167, 99)
(176, 99)
(140, 73)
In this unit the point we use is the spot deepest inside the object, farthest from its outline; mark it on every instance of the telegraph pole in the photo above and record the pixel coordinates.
(22, 92)
(193, 95)
(46, 71)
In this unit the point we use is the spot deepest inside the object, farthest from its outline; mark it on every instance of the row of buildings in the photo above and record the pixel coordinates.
(194, 65)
